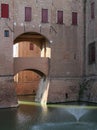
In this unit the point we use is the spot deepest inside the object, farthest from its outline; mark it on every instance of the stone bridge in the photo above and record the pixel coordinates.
(38, 65)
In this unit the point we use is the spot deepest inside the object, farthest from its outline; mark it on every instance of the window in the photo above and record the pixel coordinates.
(44, 15)
(31, 46)
(74, 18)
(60, 17)
(4, 10)
(28, 14)
(92, 10)
(6, 33)
(91, 53)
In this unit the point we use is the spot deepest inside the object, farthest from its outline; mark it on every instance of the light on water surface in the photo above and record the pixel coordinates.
(58, 105)
(33, 116)
(66, 117)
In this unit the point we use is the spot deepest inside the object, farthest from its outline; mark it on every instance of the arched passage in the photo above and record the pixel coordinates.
(31, 55)
(31, 44)
(27, 81)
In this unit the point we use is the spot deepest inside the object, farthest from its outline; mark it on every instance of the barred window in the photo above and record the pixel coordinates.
(6, 33)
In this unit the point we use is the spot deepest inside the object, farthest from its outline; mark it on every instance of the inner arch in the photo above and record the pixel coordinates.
(38, 45)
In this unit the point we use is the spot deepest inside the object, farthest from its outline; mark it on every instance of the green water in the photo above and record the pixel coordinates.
(33, 116)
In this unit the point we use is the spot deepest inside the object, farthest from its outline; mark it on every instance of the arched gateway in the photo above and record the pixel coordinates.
(32, 53)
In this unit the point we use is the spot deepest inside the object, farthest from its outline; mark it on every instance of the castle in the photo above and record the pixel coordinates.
(55, 56)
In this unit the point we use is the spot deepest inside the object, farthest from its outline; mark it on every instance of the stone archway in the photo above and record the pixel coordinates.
(33, 54)
(40, 42)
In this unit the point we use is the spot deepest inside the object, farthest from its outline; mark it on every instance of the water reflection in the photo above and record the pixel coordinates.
(65, 126)
(90, 116)
(51, 117)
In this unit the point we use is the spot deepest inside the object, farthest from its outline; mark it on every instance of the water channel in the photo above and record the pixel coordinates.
(33, 116)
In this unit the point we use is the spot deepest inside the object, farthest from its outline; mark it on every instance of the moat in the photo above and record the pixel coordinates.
(32, 116)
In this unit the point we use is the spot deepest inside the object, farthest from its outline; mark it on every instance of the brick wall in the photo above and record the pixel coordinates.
(65, 41)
